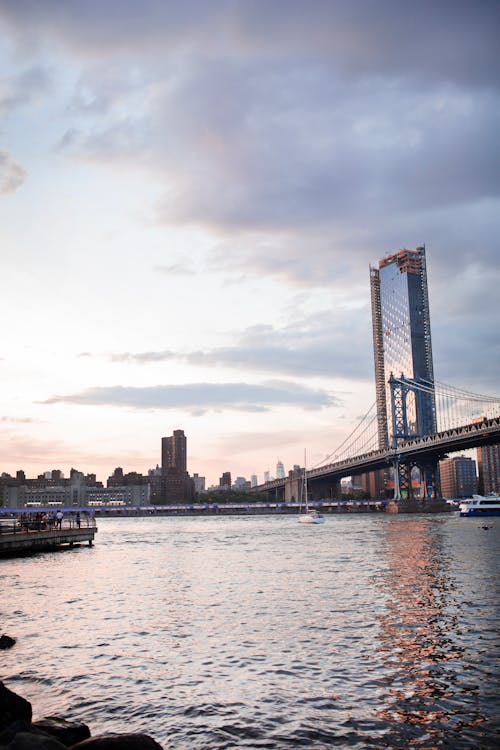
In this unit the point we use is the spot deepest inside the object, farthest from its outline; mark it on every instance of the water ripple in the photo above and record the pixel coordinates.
(377, 632)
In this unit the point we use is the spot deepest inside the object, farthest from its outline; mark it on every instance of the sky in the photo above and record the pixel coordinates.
(191, 195)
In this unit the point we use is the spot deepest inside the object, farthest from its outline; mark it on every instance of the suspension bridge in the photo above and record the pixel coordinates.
(463, 420)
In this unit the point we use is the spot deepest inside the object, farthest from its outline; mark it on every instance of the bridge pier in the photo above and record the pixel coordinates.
(429, 469)
(293, 487)
(324, 488)
(402, 479)
(404, 500)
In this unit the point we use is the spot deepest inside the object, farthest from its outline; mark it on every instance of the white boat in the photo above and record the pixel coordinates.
(480, 506)
(310, 516)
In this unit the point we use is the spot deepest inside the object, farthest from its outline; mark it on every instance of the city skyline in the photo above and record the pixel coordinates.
(191, 196)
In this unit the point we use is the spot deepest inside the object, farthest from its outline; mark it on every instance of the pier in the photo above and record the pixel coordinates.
(20, 537)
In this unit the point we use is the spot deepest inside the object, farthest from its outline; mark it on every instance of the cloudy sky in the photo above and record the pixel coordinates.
(191, 194)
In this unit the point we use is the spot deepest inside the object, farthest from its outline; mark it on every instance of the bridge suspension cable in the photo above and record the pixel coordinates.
(350, 446)
(456, 406)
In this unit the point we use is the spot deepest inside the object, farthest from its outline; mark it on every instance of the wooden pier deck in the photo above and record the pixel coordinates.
(16, 539)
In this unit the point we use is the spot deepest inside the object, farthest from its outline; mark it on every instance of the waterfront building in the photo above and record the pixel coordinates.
(116, 477)
(225, 481)
(488, 463)
(77, 491)
(199, 483)
(11, 493)
(267, 476)
(458, 477)
(119, 479)
(240, 484)
(126, 495)
(254, 480)
(176, 484)
(176, 487)
(402, 340)
(60, 495)
(372, 483)
(280, 470)
(155, 482)
(174, 452)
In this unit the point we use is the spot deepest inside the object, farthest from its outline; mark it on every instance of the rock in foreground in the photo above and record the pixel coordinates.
(6, 641)
(67, 732)
(13, 708)
(118, 742)
(18, 732)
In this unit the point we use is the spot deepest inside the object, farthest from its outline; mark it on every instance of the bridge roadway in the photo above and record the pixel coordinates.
(434, 446)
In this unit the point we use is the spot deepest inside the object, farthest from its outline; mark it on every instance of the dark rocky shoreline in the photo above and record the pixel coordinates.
(18, 731)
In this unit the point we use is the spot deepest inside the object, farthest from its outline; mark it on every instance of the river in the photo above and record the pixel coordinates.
(370, 631)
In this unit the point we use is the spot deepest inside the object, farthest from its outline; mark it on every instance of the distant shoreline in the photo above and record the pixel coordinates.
(209, 509)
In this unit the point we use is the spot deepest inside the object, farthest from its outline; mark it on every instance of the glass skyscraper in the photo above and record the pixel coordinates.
(402, 341)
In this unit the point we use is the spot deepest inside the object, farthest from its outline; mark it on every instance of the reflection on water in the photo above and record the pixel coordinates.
(430, 701)
(368, 631)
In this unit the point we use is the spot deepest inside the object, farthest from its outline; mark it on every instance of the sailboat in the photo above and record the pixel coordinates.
(310, 516)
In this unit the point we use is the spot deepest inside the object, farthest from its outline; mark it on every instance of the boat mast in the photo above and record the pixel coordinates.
(305, 481)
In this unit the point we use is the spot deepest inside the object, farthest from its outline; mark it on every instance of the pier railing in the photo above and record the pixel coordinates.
(29, 522)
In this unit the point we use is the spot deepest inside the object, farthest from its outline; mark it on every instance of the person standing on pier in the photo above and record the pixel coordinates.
(59, 518)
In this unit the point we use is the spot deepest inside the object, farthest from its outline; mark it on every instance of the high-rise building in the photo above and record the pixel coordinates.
(173, 452)
(280, 470)
(488, 464)
(225, 480)
(458, 477)
(240, 483)
(176, 484)
(199, 483)
(402, 340)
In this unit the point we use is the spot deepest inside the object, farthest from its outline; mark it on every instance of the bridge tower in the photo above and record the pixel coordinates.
(400, 389)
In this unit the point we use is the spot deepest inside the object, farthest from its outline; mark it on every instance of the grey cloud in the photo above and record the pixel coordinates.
(467, 363)
(12, 175)
(465, 334)
(240, 153)
(312, 141)
(451, 39)
(338, 344)
(270, 117)
(23, 88)
(175, 269)
(70, 138)
(376, 149)
(17, 420)
(142, 357)
(104, 88)
(321, 345)
(200, 397)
